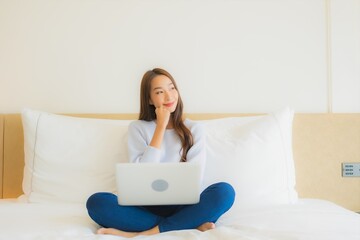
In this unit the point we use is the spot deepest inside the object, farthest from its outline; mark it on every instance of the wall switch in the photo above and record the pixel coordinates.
(351, 169)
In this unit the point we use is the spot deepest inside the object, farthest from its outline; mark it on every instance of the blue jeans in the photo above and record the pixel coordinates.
(215, 200)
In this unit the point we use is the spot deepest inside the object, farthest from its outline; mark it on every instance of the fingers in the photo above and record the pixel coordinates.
(162, 115)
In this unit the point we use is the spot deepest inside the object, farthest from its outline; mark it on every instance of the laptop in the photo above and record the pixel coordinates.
(144, 184)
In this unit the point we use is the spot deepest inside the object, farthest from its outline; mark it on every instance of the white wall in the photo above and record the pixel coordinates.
(345, 38)
(226, 55)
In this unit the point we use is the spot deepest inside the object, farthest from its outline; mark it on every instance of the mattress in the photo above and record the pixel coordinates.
(307, 219)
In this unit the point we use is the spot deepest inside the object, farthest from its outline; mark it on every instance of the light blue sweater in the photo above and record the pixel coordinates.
(141, 132)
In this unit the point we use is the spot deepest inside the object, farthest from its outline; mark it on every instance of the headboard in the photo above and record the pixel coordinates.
(321, 143)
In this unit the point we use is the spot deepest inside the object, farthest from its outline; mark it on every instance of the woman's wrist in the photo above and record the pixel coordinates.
(158, 136)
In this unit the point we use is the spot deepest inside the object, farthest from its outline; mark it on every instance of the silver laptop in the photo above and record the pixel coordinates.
(158, 183)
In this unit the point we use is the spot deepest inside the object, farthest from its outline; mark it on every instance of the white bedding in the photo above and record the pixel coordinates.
(236, 147)
(308, 219)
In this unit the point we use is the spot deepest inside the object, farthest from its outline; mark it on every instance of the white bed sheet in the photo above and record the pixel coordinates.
(306, 220)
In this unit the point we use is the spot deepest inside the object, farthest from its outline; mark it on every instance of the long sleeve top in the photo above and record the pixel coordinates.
(141, 132)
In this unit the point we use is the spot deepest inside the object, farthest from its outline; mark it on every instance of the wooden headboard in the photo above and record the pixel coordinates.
(321, 143)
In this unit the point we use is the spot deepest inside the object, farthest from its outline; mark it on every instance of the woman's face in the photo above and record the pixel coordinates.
(163, 93)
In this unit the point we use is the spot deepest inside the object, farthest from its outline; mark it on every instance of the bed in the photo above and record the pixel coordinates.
(285, 168)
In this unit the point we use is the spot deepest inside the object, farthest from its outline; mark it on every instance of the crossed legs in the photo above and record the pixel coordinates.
(129, 221)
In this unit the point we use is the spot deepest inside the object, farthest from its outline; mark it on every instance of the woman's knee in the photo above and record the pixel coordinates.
(226, 189)
(224, 193)
(98, 206)
(98, 200)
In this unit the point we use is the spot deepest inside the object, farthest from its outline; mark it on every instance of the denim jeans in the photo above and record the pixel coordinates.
(215, 200)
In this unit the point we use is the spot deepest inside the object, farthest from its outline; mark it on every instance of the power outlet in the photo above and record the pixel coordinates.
(351, 169)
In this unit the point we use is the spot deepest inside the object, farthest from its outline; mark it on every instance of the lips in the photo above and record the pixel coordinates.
(169, 104)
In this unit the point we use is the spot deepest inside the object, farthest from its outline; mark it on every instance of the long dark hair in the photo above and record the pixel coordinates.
(147, 111)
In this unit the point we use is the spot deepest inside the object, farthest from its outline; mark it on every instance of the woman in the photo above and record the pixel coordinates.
(161, 135)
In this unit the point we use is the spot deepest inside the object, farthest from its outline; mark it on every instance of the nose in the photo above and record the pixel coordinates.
(168, 96)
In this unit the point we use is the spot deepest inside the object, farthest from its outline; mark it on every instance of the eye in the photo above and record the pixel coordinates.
(158, 92)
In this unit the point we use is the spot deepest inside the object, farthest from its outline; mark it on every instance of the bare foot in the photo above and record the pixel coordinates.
(118, 232)
(206, 226)
(113, 231)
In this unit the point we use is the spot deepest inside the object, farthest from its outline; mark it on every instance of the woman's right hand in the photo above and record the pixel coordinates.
(162, 116)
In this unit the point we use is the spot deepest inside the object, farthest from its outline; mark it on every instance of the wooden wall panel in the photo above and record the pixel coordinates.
(1, 153)
(13, 156)
(321, 143)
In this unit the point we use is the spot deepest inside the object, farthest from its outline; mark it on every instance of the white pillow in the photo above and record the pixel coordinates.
(254, 155)
(69, 158)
